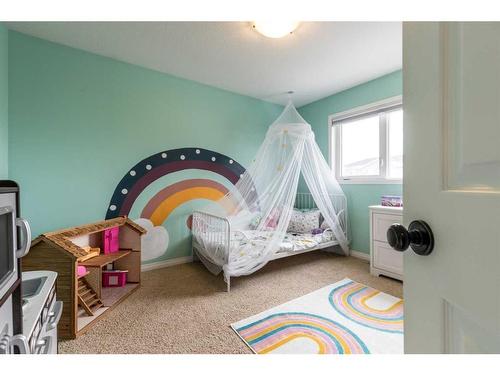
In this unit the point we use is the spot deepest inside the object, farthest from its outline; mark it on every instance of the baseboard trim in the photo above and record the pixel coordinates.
(360, 255)
(166, 263)
(189, 259)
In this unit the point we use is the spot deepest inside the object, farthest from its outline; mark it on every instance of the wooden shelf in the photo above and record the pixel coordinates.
(102, 260)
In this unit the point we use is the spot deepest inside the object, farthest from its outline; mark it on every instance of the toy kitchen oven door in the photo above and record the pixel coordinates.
(15, 238)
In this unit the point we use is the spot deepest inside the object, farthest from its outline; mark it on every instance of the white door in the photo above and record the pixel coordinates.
(451, 80)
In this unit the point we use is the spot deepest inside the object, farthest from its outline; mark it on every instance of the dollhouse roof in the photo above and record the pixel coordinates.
(62, 238)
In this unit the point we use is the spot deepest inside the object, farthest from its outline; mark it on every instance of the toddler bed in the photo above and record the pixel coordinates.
(216, 242)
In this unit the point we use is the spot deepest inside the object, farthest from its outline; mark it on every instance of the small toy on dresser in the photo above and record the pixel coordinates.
(392, 201)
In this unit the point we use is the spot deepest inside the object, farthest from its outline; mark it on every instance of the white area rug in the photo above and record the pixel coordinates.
(342, 318)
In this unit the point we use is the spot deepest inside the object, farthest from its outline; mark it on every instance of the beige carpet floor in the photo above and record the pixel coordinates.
(185, 309)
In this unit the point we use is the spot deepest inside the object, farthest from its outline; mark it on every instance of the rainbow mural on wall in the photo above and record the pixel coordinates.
(158, 165)
(158, 209)
(350, 300)
(270, 333)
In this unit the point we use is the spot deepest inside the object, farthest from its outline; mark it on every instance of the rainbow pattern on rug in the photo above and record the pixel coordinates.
(268, 334)
(351, 300)
(363, 320)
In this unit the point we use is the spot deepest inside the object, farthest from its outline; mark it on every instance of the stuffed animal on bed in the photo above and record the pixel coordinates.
(317, 231)
(273, 219)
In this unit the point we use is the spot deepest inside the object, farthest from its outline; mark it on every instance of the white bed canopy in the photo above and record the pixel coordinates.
(264, 196)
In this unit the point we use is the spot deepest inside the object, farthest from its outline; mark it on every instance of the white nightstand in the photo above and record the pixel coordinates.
(384, 260)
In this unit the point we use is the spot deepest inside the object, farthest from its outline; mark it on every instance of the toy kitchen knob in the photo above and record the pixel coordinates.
(418, 236)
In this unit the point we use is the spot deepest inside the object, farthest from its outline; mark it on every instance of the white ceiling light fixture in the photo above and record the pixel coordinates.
(275, 28)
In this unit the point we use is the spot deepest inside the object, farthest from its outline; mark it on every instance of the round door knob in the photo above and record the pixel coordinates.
(418, 236)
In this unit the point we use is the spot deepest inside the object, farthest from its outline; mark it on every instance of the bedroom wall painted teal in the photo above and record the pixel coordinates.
(359, 197)
(79, 122)
(4, 102)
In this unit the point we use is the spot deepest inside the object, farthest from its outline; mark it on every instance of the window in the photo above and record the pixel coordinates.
(366, 143)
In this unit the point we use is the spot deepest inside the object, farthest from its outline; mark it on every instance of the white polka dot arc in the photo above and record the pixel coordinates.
(112, 207)
(183, 157)
(124, 191)
(213, 158)
(164, 156)
(132, 173)
(149, 167)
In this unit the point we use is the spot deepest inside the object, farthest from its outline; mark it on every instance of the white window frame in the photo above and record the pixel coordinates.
(334, 145)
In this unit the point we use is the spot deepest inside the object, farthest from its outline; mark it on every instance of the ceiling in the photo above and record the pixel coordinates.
(317, 60)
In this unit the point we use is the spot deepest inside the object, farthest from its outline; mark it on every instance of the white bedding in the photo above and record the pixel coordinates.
(249, 243)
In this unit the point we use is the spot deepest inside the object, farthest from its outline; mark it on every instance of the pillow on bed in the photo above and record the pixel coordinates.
(304, 222)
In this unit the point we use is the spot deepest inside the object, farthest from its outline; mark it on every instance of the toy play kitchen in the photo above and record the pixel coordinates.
(29, 311)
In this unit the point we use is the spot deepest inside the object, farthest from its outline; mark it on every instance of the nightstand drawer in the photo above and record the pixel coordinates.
(386, 258)
(382, 222)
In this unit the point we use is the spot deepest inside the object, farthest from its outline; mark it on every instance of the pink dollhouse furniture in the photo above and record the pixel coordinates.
(81, 271)
(111, 242)
(114, 278)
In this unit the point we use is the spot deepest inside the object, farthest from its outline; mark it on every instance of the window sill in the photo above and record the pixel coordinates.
(368, 181)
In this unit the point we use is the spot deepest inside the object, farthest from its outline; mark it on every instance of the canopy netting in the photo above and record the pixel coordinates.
(265, 194)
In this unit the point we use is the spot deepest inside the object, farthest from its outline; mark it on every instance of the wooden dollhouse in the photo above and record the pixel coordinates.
(84, 257)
